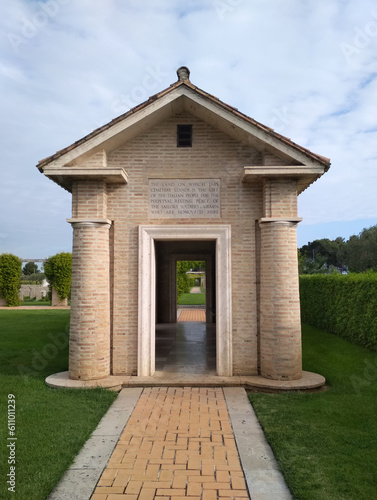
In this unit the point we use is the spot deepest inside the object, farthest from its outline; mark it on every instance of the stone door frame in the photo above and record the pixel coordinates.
(221, 234)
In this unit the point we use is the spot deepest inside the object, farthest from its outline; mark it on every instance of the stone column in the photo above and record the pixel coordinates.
(89, 345)
(280, 325)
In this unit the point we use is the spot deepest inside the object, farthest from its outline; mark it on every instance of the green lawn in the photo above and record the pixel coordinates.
(51, 424)
(36, 303)
(192, 299)
(326, 442)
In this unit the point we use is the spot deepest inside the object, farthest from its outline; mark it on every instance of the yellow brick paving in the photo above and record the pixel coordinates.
(192, 315)
(177, 443)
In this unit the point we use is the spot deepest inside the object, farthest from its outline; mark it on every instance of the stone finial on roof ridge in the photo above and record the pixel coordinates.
(183, 73)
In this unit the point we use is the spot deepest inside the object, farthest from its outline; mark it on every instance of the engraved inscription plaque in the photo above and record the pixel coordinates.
(184, 198)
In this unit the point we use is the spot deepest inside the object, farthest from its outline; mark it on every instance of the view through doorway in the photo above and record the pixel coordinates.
(191, 290)
(186, 286)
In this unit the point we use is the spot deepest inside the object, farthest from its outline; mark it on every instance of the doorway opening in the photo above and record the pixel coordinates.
(185, 337)
(172, 261)
(157, 302)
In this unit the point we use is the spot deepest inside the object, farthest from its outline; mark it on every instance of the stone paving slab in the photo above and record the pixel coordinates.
(262, 474)
(80, 479)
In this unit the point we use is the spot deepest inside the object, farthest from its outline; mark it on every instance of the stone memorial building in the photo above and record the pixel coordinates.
(184, 176)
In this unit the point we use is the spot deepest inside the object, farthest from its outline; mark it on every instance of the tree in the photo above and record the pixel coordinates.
(358, 254)
(330, 250)
(10, 278)
(29, 268)
(183, 280)
(58, 271)
(361, 251)
(317, 265)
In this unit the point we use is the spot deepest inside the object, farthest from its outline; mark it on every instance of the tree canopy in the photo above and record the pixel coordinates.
(357, 254)
(29, 268)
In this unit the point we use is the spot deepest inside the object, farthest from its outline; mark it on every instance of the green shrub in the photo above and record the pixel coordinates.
(342, 305)
(58, 271)
(10, 278)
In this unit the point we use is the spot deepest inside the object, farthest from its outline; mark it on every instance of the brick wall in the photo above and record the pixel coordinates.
(213, 155)
(154, 154)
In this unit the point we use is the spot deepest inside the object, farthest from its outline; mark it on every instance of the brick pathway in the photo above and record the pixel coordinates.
(192, 315)
(177, 443)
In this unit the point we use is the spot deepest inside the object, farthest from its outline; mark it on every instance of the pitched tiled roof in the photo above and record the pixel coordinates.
(323, 160)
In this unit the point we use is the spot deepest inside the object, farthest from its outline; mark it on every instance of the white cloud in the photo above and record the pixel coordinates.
(306, 68)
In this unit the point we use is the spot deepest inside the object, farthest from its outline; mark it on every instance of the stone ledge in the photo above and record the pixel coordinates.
(309, 381)
(61, 380)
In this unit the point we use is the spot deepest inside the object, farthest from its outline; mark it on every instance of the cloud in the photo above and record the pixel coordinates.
(306, 68)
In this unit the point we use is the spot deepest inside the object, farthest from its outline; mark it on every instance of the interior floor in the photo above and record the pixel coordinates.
(186, 347)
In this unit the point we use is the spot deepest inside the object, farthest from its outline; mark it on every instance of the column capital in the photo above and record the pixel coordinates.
(95, 223)
(280, 221)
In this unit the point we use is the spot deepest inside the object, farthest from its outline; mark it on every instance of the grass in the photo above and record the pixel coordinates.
(51, 424)
(192, 299)
(326, 442)
(36, 303)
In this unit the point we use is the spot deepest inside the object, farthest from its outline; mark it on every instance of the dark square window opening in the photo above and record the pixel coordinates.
(184, 136)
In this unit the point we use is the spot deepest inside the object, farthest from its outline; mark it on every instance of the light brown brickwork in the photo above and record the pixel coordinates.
(178, 443)
(280, 324)
(213, 155)
(154, 154)
(89, 348)
(89, 199)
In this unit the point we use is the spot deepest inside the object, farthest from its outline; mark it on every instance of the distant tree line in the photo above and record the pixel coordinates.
(358, 254)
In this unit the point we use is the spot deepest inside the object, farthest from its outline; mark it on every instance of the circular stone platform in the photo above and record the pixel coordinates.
(309, 381)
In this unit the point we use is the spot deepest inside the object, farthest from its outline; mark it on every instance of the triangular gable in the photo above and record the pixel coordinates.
(183, 96)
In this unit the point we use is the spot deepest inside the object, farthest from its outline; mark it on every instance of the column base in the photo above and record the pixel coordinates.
(295, 376)
(308, 382)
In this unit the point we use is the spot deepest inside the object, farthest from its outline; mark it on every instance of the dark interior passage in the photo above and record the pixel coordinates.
(168, 253)
(186, 346)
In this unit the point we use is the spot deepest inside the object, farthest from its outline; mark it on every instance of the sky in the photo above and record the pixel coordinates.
(307, 68)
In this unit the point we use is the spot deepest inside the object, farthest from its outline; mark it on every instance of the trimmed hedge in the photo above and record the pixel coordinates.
(10, 278)
(345, 305)
(58, 271)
